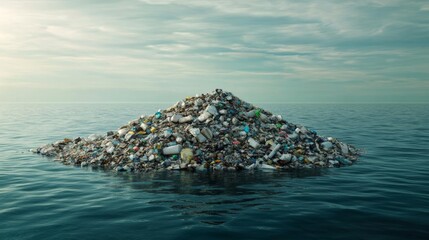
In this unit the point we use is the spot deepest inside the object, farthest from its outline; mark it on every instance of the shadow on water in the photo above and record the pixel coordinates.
(207, 197)
(212, 182)
(212, 197)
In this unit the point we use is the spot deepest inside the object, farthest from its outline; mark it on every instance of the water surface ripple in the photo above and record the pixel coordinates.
(384, 196)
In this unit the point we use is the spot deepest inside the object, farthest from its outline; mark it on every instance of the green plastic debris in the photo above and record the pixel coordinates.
(258, 113)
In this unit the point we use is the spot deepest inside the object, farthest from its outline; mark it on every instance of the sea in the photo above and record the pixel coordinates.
(385, 195)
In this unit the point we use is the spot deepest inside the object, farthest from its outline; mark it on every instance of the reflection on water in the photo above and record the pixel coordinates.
(197, 193)
(383, 196)
(213, 182)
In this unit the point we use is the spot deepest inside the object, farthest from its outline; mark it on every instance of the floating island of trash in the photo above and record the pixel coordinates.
(215, 131)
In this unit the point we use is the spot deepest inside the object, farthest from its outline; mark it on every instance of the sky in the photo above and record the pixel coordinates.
(261, 50)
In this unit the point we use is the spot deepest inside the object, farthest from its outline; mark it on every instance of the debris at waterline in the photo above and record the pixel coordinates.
(210, 131)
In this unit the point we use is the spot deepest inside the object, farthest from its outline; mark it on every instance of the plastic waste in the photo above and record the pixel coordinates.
(216, 131)
(212, 110)
(258, 113)
(175, 118)
(186, 155)
(122, 132)
(207, 133)
(204, 116)
(246, 128)
(158, 114)
(172, 150)
(274, 151)
(253, 143)
(186, 119)
(327, 145)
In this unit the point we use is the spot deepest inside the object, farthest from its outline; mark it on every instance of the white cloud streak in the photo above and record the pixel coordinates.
(140, 44)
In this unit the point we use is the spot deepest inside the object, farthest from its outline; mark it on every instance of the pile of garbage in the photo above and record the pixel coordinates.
(209, 131)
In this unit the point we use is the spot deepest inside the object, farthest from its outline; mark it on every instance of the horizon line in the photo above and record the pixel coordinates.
(165, 102)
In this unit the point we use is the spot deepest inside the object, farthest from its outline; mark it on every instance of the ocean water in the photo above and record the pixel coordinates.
(384, 196)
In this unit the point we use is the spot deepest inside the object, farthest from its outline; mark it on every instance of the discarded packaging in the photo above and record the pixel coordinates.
(215, 131)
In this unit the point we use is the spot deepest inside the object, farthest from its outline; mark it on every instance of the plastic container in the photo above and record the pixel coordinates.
(172, 150)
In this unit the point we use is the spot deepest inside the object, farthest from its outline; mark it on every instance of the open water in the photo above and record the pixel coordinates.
(384, 196)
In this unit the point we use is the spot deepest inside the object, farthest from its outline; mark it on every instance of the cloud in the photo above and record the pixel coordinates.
(247, 46)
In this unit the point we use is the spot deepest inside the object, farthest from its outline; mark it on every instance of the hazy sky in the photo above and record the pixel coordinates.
(263, 51)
